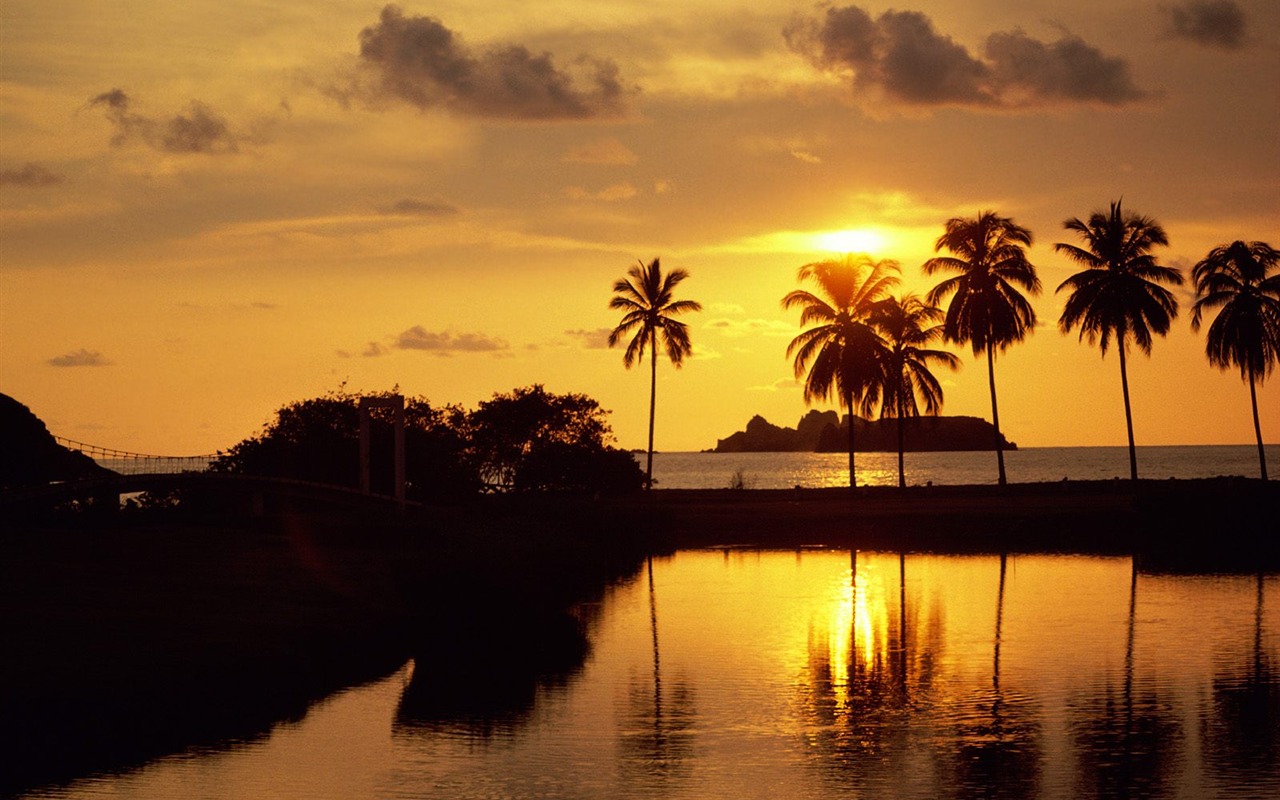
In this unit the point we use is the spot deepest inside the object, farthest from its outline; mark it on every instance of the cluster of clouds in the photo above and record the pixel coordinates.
(417, 60)
(198, 130)
(1213, 23)
(29, 175)
(897, 56)
(902, 57)
(80, 358)
(440, 343)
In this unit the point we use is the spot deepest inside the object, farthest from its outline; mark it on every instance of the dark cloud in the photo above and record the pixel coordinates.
(900, 55)
(422, 208)
(418, 338)
(80, 358)
(1214, 23)
(198, 130)
(420, 61)
(29, 174)
(1065, 70)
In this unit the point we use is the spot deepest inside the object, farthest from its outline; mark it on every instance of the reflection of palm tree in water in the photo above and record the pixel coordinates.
(999, 738)
(1127, 748)
(858, 705)
(657, 736)
(1241, 729)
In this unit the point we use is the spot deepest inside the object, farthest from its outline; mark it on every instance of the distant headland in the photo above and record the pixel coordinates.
(825, 432)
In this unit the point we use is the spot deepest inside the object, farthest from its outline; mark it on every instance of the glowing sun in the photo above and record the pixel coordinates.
(853, 240)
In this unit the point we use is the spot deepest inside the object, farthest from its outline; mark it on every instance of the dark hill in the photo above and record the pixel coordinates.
(29, 455)
(825, 432)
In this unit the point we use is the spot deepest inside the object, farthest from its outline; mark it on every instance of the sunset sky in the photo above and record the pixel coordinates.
(210, 209)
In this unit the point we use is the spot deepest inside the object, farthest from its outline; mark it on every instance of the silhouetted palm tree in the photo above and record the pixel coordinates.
(841, 354)
(1119, 294)
(987, 310)
(1246, 331)
(907, 325)
(646, 297)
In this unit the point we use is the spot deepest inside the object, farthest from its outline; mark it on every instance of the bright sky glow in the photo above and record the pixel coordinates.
(212, 208)
(856, 240)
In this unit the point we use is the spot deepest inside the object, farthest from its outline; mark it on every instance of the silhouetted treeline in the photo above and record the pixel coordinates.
(527, 440)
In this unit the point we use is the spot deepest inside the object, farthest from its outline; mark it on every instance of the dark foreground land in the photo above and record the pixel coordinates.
(131, 637)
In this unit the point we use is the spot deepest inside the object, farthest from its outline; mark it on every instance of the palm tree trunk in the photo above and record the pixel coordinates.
(995, 411)
(1257, 428)
(653, 402)
(848, 403)
(1128, 414)
(901, 446)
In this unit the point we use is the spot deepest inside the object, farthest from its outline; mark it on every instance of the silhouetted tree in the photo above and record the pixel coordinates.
(1246, 331)
(319, 440)
(907, 327)
(534, 440)
(841, 355)
(1119, 294)
(987, 310)
(647, 297)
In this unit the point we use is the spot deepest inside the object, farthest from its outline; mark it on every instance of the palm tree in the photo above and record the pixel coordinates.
(987, 310)
(841, 354)
(1246, 331)
(908, 327)
(646, 297)
(1119, 294)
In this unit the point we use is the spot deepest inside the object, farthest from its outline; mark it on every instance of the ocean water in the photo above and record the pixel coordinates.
(1027, 465)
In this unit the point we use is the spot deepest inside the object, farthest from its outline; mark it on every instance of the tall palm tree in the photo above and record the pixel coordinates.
(841, 353)
(987, 310)
(646, 295)
(1119, 293)
(908, 327)
(1246, 331)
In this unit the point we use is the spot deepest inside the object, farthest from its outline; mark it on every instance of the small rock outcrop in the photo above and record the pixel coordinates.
(825, 432)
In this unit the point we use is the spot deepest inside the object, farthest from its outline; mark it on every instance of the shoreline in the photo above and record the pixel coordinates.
(1158, 517)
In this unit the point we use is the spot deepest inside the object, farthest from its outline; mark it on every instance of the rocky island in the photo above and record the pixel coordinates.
(825, 432)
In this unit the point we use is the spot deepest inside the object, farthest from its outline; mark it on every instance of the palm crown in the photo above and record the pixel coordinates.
(909, 326)
(838, 356)
(841, 354)
(1119, 294)
(646, 297)
(1246, 332)
(988, 307)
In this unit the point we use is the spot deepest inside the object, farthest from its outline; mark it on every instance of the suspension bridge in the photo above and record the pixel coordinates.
(125, 462)
(125, 472)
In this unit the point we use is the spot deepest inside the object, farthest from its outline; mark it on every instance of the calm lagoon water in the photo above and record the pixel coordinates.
(1028, 465)
(820, 674)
